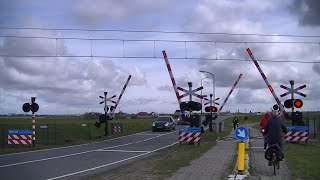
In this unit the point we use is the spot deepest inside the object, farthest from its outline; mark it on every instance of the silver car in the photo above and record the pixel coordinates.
(164, 123)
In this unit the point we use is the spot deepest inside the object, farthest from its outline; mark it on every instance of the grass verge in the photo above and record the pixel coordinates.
(65, 131)
(303, 160)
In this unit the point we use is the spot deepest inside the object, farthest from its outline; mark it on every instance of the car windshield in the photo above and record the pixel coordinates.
(163, 119)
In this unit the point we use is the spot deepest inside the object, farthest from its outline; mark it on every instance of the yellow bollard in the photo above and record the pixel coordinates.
(241, 152)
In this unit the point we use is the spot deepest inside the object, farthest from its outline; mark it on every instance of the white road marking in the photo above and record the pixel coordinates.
(257, 147)
(68, 155)
(109, 164)
(73, 145)
(114, 150)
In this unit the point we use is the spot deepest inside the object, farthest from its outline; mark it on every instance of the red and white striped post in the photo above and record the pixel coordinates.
(33, 129)
(123, 89)
(266, 81)
(235, 84)
(172, 78)
(33, 99)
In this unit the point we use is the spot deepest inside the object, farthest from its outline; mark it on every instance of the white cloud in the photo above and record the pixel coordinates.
(99, 11)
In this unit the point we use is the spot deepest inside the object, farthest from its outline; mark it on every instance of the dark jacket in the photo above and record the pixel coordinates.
(274, 129)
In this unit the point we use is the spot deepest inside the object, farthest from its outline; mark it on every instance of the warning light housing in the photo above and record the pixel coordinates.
(298, 103)
(288, 103)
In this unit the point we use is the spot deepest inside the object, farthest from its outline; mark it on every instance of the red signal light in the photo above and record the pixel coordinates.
(214, 109)
(298, 103)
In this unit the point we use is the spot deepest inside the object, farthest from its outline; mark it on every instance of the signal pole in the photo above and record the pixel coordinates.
(292, 94)
(106, 132)
(210, 122)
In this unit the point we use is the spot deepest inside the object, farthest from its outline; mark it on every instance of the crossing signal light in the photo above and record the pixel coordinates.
(214, 109)
(211, 109)
(293, 102)
(298, 103)
(288, 103)
(190, 106)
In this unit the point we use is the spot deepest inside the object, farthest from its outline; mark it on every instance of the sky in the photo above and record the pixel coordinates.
(75, 67)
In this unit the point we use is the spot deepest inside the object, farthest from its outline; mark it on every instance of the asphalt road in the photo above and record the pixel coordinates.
(83, 160)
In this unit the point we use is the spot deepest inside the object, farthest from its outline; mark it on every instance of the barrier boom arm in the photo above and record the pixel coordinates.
(266, 81)
(171, 77)
(235, 84)
(123, 89)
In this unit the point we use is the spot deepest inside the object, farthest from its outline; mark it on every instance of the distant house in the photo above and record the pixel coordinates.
(144, 115)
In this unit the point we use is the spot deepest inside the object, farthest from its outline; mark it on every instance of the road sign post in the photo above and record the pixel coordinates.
(241, 133)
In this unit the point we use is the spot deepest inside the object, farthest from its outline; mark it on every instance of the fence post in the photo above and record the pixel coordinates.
(47, 134)
(89, 131)
(55, 132)
(3, 139)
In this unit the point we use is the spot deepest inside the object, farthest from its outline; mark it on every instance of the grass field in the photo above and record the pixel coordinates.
(65, 131)
(303, 160)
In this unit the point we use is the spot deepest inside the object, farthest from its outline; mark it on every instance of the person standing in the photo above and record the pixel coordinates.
(235, 122)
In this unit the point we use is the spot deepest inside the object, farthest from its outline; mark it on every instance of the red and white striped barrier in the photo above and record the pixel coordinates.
(190, 137)
(299, 136)
(266, 81)
(123, 89)
(171, 76)
(19, 139)
(235, 84)
(116, 129)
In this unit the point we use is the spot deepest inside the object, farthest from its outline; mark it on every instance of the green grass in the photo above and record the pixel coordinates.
(65, 131)
(303, 160)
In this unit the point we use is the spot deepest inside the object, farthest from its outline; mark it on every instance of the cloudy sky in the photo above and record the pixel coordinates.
(65, 79)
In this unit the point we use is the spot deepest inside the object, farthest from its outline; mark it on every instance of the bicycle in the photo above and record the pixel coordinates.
(272, 154)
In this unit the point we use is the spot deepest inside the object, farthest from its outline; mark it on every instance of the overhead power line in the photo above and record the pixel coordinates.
(156, 57)
(161, 40)
(159, 31)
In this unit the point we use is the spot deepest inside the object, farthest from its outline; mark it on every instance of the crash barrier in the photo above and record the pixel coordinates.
(116, 127)
(190, 135)
(19, 137)
(297, 134)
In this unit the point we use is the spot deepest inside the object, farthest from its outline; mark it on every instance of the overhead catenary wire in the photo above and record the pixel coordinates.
(213, 42)
(159, 31)
(160, 40)
(157, 57)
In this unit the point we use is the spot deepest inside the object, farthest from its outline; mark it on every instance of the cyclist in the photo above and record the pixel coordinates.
(263, 126)
(273, 130)
(235, 122)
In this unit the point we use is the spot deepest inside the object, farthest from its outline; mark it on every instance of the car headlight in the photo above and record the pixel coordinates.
(153, 124)
(167, 124)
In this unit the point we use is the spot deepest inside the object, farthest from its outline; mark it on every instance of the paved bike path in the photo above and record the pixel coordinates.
(260, 169)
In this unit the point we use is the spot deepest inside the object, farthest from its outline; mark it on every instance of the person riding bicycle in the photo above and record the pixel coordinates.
(263, 127)
(273, 130)
(235, 122)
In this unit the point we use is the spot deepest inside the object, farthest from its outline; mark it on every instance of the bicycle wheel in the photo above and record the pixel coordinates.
(274, 162)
